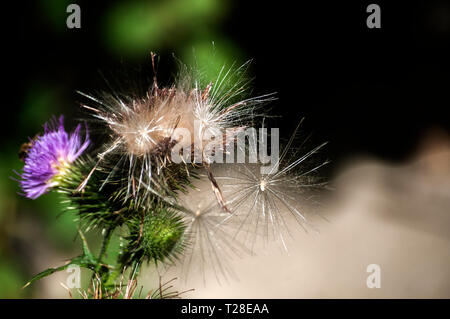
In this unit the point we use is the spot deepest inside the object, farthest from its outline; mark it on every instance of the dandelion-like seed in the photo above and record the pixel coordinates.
(49, 157)
(263, 202)
(210, 246)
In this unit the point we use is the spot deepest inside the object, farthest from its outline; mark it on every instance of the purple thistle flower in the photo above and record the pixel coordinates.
(49, 157)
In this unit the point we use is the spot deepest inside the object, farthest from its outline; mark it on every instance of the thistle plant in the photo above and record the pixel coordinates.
(141, 182)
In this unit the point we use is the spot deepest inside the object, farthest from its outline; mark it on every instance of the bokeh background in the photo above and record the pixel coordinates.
(371, 93)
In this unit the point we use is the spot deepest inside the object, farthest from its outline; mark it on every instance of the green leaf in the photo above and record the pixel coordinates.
(85, 260)
(46, 273)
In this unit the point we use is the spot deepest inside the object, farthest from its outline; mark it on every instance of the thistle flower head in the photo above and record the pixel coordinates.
(49, 156)
(146, 131)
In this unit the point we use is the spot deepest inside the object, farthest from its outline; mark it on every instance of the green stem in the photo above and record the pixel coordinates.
(112, 276)
(106, 241)
(103, 250)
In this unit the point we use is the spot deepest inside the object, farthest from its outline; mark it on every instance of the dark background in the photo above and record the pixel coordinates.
(367, 91)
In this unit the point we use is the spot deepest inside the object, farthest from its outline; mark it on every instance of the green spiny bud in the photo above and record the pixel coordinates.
(158, 236)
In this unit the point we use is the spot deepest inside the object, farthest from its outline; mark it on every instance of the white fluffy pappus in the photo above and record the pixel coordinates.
(263, 206)
(144, 131)
(268, 205)
(210, 246)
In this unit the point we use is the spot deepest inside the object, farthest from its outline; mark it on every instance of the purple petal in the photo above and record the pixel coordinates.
(47, 153)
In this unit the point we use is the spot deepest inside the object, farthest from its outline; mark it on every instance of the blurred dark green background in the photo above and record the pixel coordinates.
(372, 92)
